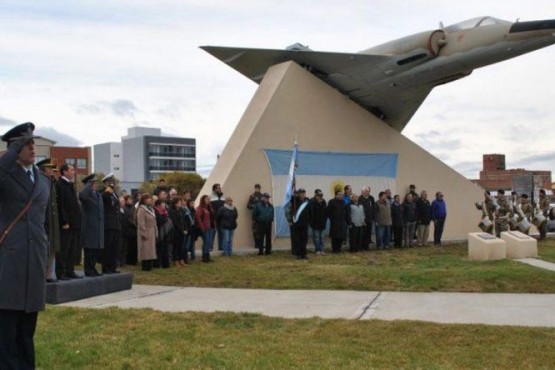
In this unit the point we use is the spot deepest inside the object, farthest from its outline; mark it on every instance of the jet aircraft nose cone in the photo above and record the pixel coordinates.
(548, 24)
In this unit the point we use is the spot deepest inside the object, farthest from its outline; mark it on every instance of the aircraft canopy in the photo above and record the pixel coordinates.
(474, 23)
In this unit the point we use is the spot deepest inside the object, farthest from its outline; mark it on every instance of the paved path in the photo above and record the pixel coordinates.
(464, 308)
(538, 263)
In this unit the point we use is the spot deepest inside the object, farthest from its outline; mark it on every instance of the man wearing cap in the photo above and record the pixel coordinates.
(318, 218)
(543, 205)
(69, 213)
(52, 222)
(299, 220)
(263, 216)
(24, 194)
(112, 226)
(92, 229)
(254, 199)
(217, 201)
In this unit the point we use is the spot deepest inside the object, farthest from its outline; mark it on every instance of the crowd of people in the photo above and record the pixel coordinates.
(352, 219)
(155, 229)
(160, 229)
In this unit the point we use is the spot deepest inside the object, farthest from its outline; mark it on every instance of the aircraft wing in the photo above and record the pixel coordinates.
(347, 72)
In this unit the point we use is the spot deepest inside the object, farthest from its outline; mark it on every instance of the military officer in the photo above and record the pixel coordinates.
(112, 225)
(52, 224)
(503, 213)
(543, 206)
(92, 227)
(525, 207)
(254, 199)
(24, 194)
(488, 211)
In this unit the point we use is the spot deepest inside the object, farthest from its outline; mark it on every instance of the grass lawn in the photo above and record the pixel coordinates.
(444, 269)
(71, 338)
(546, 250)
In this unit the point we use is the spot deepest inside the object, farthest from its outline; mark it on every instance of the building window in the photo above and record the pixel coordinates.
(116, 168)
(81, 163)
(70, 161)
(116, 155)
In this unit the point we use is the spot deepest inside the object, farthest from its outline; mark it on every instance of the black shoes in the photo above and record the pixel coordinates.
(73, 275)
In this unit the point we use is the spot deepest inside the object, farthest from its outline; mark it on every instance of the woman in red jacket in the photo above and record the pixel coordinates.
(202, 219)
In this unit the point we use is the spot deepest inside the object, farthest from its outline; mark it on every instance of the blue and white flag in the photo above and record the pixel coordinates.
(326, 171)
(290, 187)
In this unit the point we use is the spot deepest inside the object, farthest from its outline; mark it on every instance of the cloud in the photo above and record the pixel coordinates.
(7, 122)
(469, 169)
(60, 138)
(533, 160)
(118, 107)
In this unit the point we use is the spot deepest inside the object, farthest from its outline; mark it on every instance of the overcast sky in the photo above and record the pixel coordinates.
(85, 71)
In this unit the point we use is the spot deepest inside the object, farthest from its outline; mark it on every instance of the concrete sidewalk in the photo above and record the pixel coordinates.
(463, 308)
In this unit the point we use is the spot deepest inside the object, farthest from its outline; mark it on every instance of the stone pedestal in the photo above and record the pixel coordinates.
(520, 245)
(485, 247)
(76, 289)
(291, 105)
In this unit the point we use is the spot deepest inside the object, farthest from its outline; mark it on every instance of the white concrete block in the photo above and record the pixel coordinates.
(520, 245)
(485, 247)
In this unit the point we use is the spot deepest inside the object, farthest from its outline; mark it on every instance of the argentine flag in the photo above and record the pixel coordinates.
(326, 171)
(291, 177)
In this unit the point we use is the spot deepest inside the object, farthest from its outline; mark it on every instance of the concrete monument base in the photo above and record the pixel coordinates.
(520, 245)
(292, 104)
(485, 247)
(76, 289)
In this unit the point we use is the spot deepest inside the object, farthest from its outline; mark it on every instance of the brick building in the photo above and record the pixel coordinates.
(495, 175)
(79, 158)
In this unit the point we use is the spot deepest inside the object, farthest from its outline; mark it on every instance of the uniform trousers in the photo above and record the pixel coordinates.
(91, 259)
(17, 349)
(112, 241)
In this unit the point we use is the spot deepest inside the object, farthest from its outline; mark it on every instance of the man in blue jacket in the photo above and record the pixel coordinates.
(439, 214)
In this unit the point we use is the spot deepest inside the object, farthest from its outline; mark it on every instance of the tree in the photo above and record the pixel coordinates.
(179, 180)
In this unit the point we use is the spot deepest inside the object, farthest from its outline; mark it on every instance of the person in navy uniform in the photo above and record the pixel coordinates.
(112, 226)
(24, 196)
(92, 229)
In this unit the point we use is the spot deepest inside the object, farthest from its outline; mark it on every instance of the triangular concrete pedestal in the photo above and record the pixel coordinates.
(293, 104)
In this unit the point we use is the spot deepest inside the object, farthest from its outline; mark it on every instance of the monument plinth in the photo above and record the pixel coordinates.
(292, 104)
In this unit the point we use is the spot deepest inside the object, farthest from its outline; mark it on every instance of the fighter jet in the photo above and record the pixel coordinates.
(393, 79)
